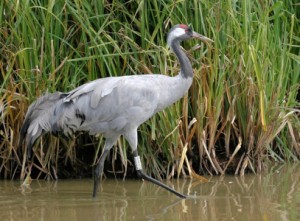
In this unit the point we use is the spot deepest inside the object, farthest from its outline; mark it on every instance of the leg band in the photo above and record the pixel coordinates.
(137, 163)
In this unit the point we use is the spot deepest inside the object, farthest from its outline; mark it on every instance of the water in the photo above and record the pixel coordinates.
(273, 196)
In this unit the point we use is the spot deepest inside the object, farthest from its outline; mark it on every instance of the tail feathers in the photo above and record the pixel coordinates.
(38, 119)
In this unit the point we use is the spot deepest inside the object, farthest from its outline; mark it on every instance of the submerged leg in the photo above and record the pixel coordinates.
(131, 137)
(99, 169)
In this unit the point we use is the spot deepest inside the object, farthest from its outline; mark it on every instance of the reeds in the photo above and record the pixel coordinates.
(241, 111)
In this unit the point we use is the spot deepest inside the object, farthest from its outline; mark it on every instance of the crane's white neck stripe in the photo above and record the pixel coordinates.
(177, 32)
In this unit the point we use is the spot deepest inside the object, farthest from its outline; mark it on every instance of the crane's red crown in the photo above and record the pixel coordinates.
(183, 26)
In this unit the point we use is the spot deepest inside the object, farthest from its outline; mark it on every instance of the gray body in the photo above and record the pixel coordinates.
(116, 105)
(111, 106)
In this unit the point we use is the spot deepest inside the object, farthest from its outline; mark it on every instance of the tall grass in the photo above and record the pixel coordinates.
(241, 112)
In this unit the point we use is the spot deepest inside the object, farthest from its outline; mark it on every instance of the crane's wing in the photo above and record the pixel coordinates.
(37, 119)
(98, 89)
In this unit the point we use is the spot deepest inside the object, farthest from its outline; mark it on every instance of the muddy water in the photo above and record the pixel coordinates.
(272, 196)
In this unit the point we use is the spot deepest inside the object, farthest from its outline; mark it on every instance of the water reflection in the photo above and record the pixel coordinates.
(273, 196)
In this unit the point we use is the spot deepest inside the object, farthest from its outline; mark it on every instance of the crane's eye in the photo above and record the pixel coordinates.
(189, 31)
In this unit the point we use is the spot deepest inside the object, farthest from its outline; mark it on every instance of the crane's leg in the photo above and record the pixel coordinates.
(131, 137)
(109, 142)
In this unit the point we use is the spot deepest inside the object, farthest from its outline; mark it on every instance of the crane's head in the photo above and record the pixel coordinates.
(183, 32)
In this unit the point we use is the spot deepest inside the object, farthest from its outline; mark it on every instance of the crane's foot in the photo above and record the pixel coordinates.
(97, 177)
(143, 175)
(99, 169)
(96, 184)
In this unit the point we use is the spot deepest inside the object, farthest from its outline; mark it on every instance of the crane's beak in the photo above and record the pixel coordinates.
(202, 38)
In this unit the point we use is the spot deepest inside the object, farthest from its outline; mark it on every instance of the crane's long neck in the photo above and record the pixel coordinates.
(186, 69)
(174, 88)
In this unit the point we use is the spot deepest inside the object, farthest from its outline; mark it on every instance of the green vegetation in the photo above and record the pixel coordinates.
(241, 112)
